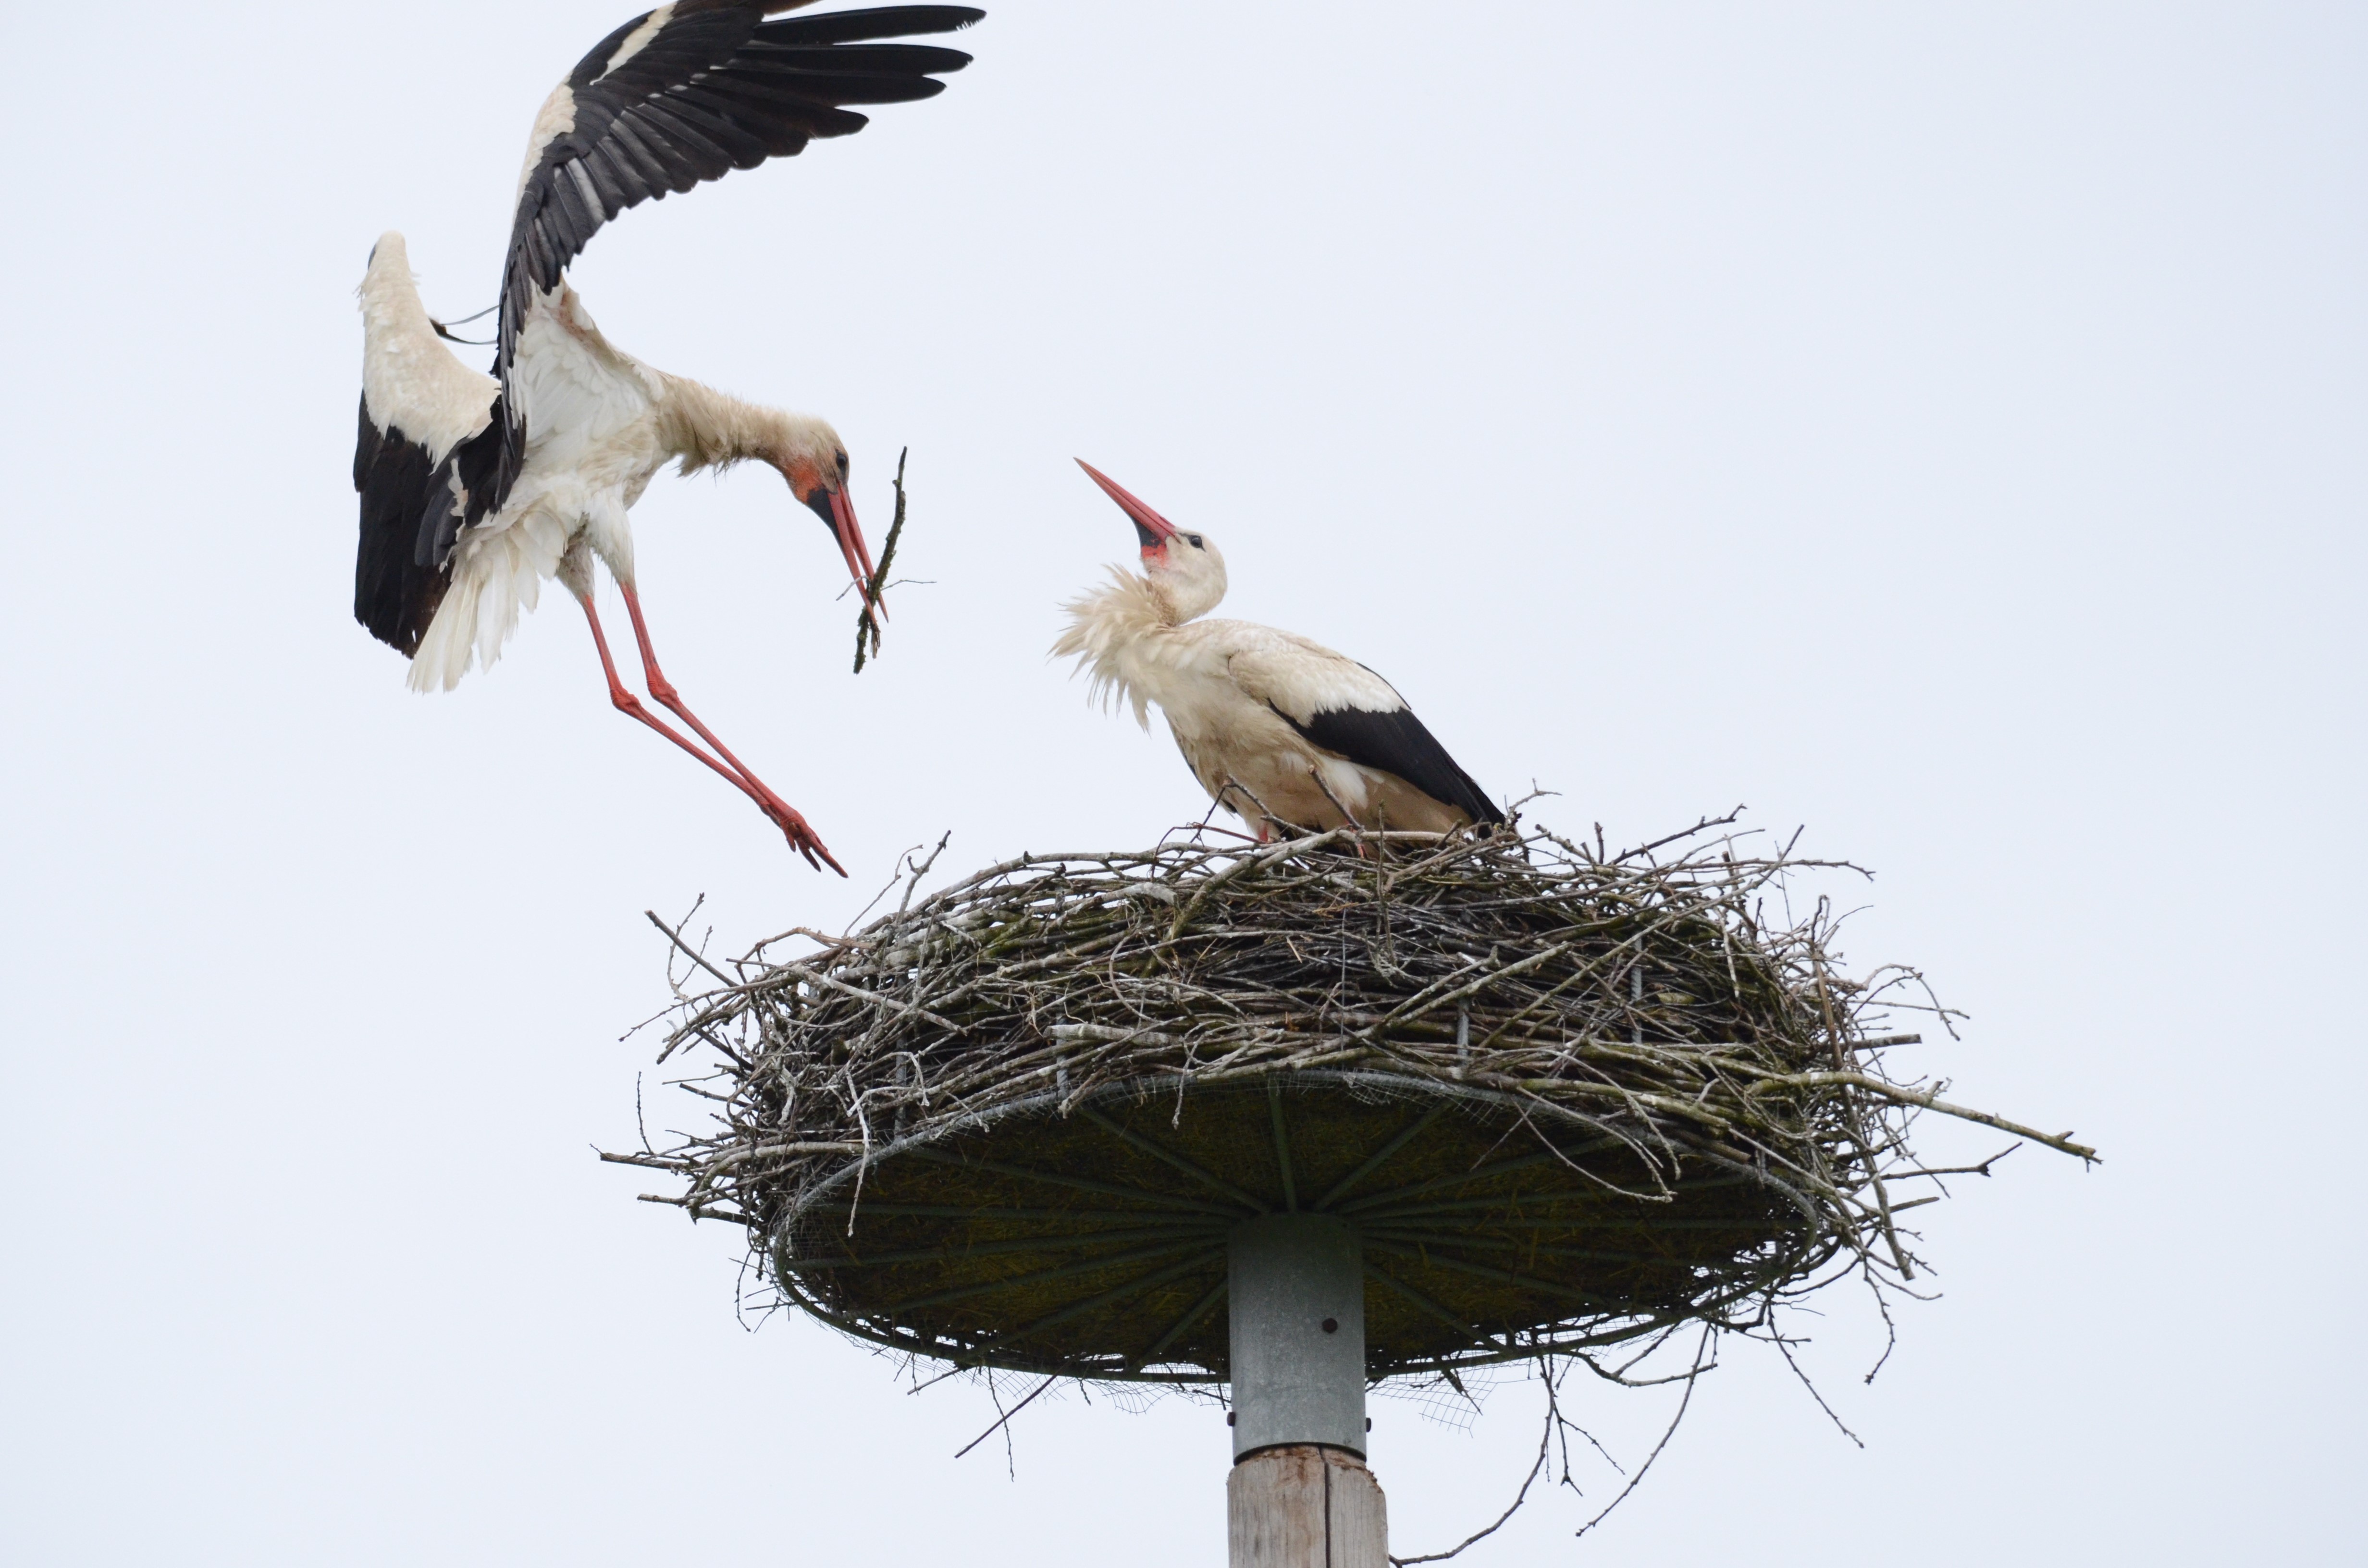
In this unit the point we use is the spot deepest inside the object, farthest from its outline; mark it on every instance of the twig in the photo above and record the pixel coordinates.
(675, 938)
(1675, 1422)
(1546, 1444)
(1006, 1420)
(867, 625)
(2060, 1141)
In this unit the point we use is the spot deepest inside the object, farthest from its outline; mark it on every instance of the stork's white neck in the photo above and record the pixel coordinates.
(1121, 631)
(707, 428)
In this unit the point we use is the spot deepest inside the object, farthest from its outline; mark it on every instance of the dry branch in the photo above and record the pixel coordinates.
(867, 617)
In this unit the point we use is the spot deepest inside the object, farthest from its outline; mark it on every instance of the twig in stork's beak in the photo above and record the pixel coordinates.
(867, 628)
(1153, 529)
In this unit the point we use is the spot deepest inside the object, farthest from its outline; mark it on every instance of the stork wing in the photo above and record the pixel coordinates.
(1346, 709)
(421, 411)
(682, 94)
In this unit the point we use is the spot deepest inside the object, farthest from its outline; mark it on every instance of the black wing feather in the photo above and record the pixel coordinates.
(396, 593)
(1398, 742)
(718, 88)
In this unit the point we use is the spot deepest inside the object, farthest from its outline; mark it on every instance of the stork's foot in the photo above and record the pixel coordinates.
(802, 836)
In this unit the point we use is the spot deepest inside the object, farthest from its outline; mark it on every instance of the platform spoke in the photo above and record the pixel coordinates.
(1136, 1140)
(958, 1211)
(1184, 1324)
(1112, 1297)
(1526, 1201)
(1079, 1184)
(1502, 1276)
(1401, 1288)
(1281, 1145)
(1349, 1184)
(1484, 1173)
(1015, 1245)
(1041, 1277)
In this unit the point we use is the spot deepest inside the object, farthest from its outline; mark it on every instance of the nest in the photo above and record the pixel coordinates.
(1568, 1098)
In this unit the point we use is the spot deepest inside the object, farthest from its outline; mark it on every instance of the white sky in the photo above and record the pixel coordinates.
(1939, 426)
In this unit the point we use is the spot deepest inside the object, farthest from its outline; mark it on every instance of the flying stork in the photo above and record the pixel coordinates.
(1281, 732)
(474, 488)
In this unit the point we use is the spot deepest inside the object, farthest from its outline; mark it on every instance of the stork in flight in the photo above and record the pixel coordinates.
(1281, 732)
(475, 488)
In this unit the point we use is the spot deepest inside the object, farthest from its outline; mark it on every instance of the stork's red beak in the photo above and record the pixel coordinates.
(830, 503)
(1153, 529)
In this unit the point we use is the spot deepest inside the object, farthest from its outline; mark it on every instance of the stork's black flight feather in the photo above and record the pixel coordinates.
(1397, 741)
(684, 94)
(400, 484)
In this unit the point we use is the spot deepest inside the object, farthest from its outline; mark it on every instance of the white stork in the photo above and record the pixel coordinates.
(475, 488)
(1281, 732)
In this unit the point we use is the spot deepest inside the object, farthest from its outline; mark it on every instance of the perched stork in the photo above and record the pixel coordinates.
(1281, 732)
(475, 488)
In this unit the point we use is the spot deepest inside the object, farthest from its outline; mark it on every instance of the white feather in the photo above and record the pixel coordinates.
(639, 38)
(554, 121)
(599, 426)
(410, 380)
(497, 574)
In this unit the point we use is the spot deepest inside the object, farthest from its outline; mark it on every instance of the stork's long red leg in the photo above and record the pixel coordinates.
(801, 836)
(631, 706)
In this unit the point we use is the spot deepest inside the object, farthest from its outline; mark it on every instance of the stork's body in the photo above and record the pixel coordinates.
(1280, 730)
(476, 488)
(602, 424)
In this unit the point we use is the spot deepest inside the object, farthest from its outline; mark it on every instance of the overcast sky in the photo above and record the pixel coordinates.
(1941, 426)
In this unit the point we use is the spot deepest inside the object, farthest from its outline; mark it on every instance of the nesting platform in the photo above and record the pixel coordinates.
(1087, 1234)
(1560, 1098)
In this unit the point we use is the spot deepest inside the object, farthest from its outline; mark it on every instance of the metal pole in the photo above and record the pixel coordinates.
(1300, 1495)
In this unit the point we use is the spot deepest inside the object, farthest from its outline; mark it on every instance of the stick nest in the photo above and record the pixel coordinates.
(1568, 1098)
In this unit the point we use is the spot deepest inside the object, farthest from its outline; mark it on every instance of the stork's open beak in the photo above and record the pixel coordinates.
(830, 503)
(1153, 529)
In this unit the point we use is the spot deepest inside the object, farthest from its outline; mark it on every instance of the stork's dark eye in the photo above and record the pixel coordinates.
(842, 464)
(1192, 540)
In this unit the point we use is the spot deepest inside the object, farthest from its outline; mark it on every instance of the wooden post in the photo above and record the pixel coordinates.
(1306, 1507)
